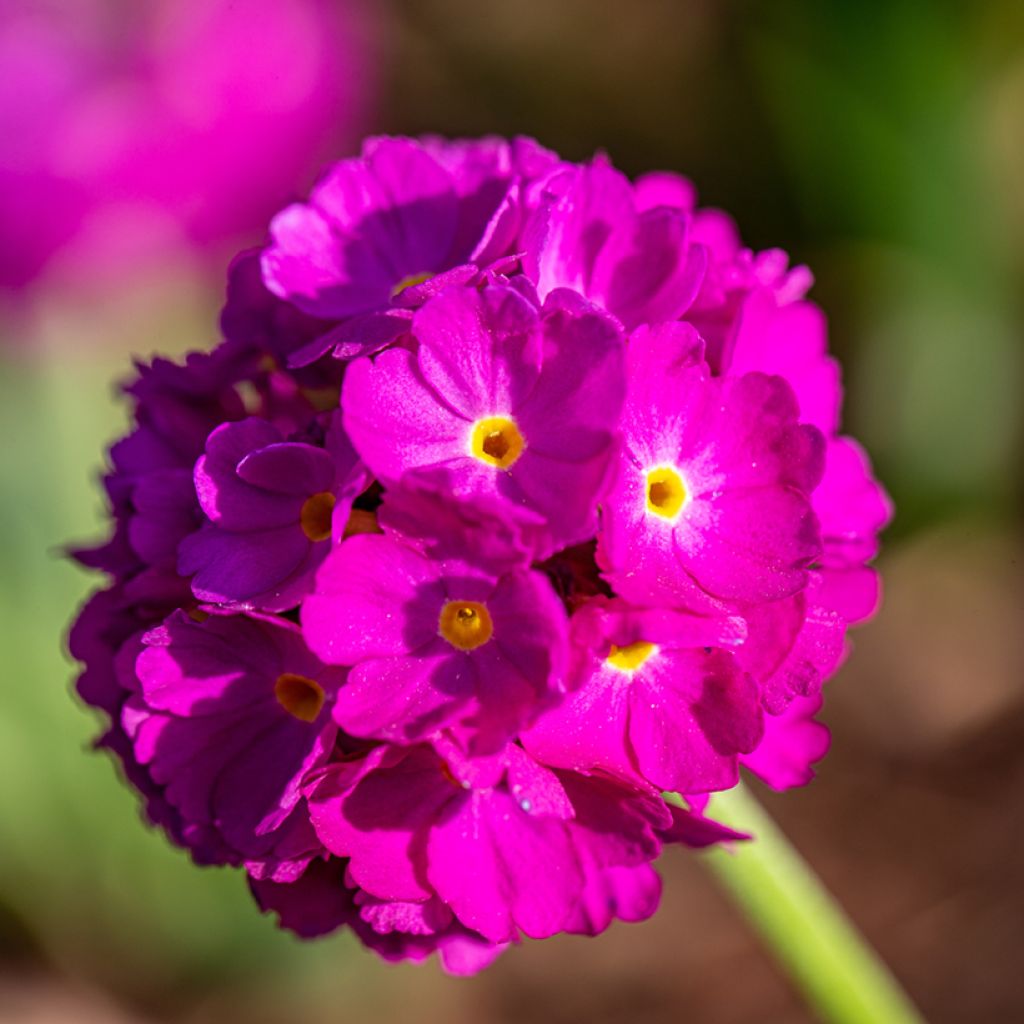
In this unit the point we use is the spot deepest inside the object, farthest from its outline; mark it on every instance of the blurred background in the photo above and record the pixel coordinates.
(882, 143)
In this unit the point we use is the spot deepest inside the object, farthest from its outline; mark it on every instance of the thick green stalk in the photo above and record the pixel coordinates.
(840, 976)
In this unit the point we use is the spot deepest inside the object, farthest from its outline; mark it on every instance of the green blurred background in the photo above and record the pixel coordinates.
(880, 143)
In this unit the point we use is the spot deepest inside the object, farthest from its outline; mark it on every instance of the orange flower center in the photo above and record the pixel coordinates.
(315, 516)
(465, 624)
(299, 696)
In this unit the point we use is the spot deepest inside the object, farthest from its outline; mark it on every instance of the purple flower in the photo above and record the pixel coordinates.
(507, 399)
(591, 236)
(657, 698)
(454, 643)
(392, 219)
(324, 899)
(710, 498)
(232, 714)
(273, 506)
(793, 741)
(508, 845)
(566, 523)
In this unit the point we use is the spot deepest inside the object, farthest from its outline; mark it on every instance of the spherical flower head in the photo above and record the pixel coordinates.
(513, 499)
(509, 399)
(710, 500)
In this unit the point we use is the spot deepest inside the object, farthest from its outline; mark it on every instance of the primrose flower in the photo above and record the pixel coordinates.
(435, 643)
(711, 498)
(657, 698)
(513, 498)
(233, 738)
(508, 398)
(387, 230)
(272, 507)
(509, 845)
(639, 264)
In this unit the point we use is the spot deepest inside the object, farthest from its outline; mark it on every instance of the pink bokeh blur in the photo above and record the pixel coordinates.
(132, 129)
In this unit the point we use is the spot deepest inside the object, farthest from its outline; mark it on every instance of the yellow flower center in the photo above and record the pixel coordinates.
(299, 696)
(632, 656)
(410, 282)
(465, 624)
(666, 492)
(315, 516)
(496, 440)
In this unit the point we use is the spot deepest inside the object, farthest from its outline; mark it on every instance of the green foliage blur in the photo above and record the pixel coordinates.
(880, 143)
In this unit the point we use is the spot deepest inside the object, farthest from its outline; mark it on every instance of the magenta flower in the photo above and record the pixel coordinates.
(793, 645)
(507, 844)
(272, 507)
(508, 399)
(710, 500)
(656, 697)
(513, 498)
(233, 738)
(733, 271)
(590, 236)
(793, 742)
(388, 223)
(433, 644)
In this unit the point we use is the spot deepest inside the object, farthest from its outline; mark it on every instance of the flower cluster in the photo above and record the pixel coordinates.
(512, 498)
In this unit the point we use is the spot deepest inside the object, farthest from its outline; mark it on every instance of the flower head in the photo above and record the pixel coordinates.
(512, 499)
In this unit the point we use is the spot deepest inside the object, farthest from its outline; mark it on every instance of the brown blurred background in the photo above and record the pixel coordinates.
(880, 143)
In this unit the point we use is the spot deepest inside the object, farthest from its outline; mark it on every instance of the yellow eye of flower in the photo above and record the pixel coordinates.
(315, 516)
(299, 696)
(465, 624)
(632, 656)
(666, 492)
(496, 440)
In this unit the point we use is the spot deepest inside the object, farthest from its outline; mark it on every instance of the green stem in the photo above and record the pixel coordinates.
(841, 977)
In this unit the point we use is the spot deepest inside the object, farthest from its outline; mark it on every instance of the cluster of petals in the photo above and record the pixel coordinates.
(512, 499)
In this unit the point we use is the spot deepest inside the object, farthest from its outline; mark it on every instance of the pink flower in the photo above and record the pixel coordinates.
(508, 399)
(656, 697)
(710, 500)
(590, 235)
(529, 484)
(510, 846)
(460, 643)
